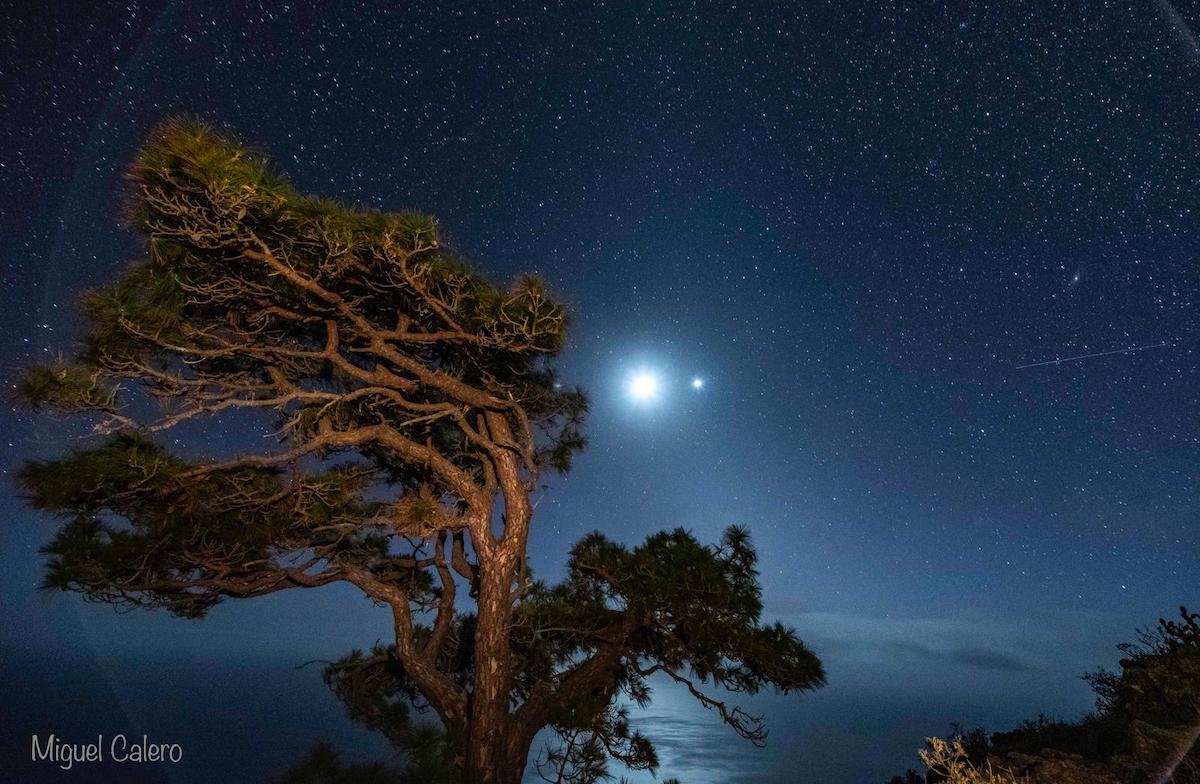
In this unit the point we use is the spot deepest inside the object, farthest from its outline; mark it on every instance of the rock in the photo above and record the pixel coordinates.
(1057, 767)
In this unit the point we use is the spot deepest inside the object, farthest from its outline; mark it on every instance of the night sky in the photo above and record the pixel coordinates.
(854, 221)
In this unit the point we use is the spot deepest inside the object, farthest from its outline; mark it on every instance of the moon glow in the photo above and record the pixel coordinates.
(644, 387)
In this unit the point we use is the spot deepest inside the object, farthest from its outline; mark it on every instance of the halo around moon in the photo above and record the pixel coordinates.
(644, 387)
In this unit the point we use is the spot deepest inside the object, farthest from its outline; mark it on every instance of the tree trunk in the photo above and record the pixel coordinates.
(496, 765)
(492, 757)
(487, 757)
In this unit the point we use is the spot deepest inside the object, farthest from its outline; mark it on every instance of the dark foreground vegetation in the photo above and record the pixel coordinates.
(1143, 731)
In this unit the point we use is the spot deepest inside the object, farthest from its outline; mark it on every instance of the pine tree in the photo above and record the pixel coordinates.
(416, 410)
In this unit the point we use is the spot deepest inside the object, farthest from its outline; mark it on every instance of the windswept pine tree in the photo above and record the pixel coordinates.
(416, 410)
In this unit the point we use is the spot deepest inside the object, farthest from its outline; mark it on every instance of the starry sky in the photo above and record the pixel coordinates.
(857, 222)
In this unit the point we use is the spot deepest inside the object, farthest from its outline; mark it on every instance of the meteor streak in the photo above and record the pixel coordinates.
(1129, 350)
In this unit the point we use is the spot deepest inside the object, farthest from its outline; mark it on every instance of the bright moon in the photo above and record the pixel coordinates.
(644, 387)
